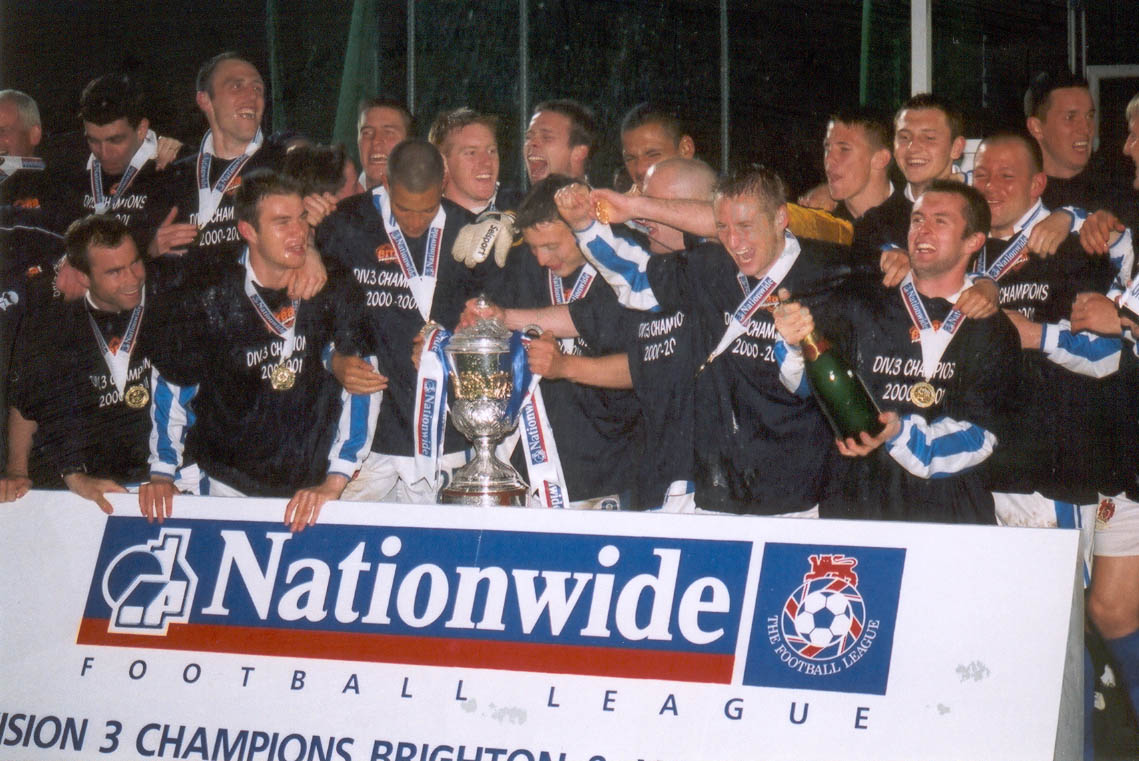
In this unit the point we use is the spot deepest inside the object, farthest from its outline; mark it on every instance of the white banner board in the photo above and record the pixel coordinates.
(401, 633)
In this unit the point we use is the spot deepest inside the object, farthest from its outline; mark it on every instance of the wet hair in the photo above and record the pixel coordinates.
(539, 206)
(109, 98)
(1038, 96)
(380, 101)
(978, 217)
(925, 100)
(583, 124)
(25, 106)
(415, 165)
(651, 113)
(205, 79)
(318, 168)
(1035, 153)
(102, 230)
(757, 181)
(257, 185)
(877, 128)
(448, 123)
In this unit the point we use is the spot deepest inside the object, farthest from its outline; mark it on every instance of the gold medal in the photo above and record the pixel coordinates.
(137, 397)
(923, 394)
(282, 378)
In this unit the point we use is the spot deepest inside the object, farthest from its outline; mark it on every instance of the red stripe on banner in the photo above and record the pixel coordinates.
(711, 668)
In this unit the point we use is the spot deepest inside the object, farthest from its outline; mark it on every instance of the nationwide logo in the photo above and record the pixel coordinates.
(524, 601)
(148, 586)
(824, 618)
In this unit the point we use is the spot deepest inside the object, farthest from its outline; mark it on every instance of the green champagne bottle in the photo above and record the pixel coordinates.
(841, 394)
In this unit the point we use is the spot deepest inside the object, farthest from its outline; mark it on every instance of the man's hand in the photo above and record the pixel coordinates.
(93, 489)
(576, 208)
(319, 206)
(544, 355)
(356, 374)
(1030, 332)
(472, 313)
(1096, 313)
(1100, 230)
(867, 443)
(71, 282)
(895, 264)
(818, 197)
(979, 300)
(172, 237)
(304, 508)
(616, 207)
(306, 282)
(156, 498)
(793, 320)
(1049, 233)
(168, 148)
(492, 231)
(14, 487)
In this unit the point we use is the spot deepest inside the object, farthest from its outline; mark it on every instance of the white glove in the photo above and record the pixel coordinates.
(491, 231)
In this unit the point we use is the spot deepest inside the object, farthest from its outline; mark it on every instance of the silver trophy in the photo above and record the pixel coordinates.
(482, 379)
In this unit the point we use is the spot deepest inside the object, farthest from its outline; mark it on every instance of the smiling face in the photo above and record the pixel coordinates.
(1065, 133)
(472, 166)
(644, 146)
(554, 245)
(1004, 174)
(924, 146)
(234, 102)
(379, 131)
(117, 276)
(547, 149)
(938, 245)
(115, 144)
(752, 235)
(278, 242)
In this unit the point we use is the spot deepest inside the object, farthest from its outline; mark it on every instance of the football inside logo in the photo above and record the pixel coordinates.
(825, 616)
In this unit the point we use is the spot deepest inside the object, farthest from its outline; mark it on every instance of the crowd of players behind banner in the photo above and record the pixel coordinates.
(259, 316)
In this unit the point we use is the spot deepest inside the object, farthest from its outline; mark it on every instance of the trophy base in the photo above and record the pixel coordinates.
(485, 481)
(453, 495)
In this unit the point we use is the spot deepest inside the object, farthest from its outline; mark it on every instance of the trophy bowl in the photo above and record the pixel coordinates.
(482, 381)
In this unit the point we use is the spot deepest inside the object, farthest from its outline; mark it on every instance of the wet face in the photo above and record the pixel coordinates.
(16, 139)
(554, 245)
(280, 237)
(547, 150)
(937, 241)
(235, 101)
(847, 159)
(1131, 148)
(752, 235)
(380, 130)
(472, 165)
(117, 276)
(115, 144)
(1004, 174)
(644, 146)
(1065, 134)
(414, 211)
(924, 146)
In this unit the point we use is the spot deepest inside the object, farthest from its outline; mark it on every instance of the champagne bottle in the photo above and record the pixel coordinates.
(841, 394)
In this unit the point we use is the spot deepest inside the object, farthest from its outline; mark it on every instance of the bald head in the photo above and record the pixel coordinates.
(680, 178)
(416, 165)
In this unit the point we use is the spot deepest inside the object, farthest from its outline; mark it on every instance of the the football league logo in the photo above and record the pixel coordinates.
(826, 615)
(149, 586)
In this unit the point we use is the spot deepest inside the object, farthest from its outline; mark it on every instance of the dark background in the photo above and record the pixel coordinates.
(792, 62)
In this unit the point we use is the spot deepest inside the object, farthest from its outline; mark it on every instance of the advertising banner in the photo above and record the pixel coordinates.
(431, 633)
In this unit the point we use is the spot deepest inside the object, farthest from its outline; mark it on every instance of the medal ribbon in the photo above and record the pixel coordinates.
(558, 296)
(758, 297)
(431, 404)
(1013, 253)
(422, 286)
(145, 152)
(209, 198)
(119, 360)
(934, 342)
(287, 332)
(9, 165)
